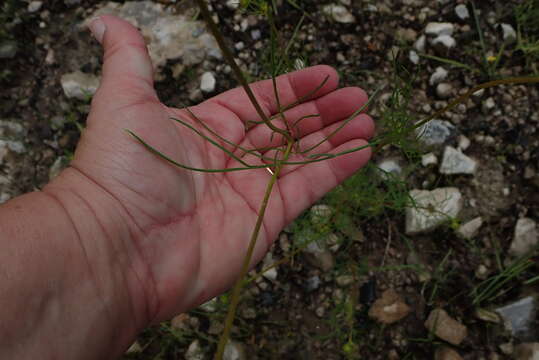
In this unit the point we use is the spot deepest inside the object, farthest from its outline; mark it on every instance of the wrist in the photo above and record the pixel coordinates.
(104, 237)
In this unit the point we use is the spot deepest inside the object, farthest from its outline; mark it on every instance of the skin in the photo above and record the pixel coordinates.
(122, 239)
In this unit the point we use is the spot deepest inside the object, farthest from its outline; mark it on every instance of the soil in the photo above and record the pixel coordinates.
(287, 318)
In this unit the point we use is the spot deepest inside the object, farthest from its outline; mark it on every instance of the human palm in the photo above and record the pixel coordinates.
(191, 229)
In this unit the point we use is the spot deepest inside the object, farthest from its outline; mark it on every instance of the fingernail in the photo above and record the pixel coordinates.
(97, 27)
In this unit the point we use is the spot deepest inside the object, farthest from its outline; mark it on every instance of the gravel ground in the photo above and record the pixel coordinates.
(393, 282)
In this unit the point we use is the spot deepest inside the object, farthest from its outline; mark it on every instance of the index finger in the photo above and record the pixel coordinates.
(291, 87)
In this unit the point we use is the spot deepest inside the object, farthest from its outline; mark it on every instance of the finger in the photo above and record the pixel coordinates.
(327, 139)
(333, 107)
(304, 186)
(291, 87)
(127, 69)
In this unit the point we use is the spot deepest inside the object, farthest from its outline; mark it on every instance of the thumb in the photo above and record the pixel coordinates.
(127, 67)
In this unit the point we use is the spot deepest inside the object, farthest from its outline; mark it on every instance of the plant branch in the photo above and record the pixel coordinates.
(248, 256)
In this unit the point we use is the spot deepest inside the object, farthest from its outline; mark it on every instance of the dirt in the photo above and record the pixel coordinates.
(292, 321)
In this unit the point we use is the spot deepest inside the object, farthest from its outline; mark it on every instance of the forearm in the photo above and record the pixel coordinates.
(65, 293)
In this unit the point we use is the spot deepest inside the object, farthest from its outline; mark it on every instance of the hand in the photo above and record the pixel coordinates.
(188, 231)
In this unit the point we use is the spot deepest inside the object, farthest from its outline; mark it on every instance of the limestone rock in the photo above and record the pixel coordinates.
(79, 85)
(169, 36)
(509, 33)
(8, 49)
(34, 6)
(445, 41)
(446, 353)
(339, 13)
(470, 229)
(390, 308)
(233, 4)
(439, 75)
(389, 169)
(439, 28)
(319, 256)
(520, 316)
(59, 164)
(431, 209)
(429, 159)
(134, 348)
(207, 82)
(271, 273)
(445, 327)
(194, 351)
(210, 305)
(462, 12)
(455, 162)
(420, 43)
(444, 90)
(526, 237)
(527, 351)
(234, 351)
(414, 57)
(436, 132)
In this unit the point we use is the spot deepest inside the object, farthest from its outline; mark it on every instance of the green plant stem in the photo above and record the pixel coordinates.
(234, 300)
(236, 69)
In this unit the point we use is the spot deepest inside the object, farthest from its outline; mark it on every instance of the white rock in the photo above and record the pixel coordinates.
(194, 351)
(462, 12)
(270, 274)
(14, 145)
(509, 33)
(446, 40)
(520, 316)
(414, 58)
(240, 45)
(420, 43)
(8, 49)
(256, 34)
(429, 159)
(435, 132)
(318, 255)
(390, 168)
(444, 90)
(339, 13)
(488, 105)
(79, 85)
(210, 305)
(525, 238)
(430, 209)
(439, 28)
(439, 75)
(134, 348)
(59, 164)
(207, 82)
(169, 36)
(4, 197)
(455, 162)
(464, 142)
(527, 351)
(234, 351)
(34, 6)
(233, 4)
(470, 229)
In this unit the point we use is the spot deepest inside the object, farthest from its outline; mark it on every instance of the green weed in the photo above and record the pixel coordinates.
(527, 19)
(360, 197)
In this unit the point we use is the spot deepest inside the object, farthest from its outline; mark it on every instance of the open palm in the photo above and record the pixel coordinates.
(191, 229)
